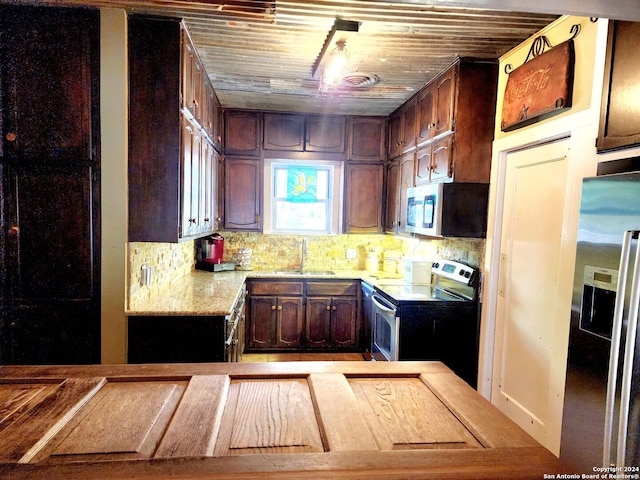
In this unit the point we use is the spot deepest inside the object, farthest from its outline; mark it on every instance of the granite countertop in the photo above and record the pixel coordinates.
(215, 293)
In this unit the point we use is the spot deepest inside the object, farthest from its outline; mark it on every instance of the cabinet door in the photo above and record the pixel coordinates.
(207, 180)
(290, 316)
(219, 191)
(283, 132)
(344, 328)
(242, 194)
(619, 122)
(317, 330)
(325, 133)
(262, 321)
(218, 123)
(392, 211)
(155, 154)
(367, 138)
(208, 109)
(242, 132)
(49, 69)
(50, 257)
(406, 181)
(409, 124)
(444, 97)
(189, 73)
(423, 165)
(425, 113)
(395, 134)
(190, 171)
(364, 198)
(441, 158)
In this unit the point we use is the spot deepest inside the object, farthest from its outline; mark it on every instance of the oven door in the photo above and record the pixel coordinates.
(386, 329)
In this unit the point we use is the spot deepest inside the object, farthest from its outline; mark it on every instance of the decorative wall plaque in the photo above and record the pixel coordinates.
(541, 87)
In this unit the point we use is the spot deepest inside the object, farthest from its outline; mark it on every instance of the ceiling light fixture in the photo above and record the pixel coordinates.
(333, 62)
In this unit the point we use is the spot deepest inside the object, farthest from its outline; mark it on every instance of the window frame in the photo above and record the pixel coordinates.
(334, 200)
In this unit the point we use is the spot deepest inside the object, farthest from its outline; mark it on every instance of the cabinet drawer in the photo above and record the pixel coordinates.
(332, 288)
(277, 287)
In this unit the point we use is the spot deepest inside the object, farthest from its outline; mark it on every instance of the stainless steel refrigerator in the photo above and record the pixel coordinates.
(601, 416)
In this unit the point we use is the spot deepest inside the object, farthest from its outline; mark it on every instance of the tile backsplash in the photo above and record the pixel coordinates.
(171, 261)
(329, 252)
(167, 262)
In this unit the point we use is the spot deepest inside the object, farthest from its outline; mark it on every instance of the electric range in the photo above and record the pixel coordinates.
(437, 321)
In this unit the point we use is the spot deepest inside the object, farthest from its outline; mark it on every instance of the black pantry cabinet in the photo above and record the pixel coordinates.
(49, 186)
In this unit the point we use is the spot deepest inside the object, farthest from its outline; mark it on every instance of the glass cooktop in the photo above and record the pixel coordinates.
(414, 292)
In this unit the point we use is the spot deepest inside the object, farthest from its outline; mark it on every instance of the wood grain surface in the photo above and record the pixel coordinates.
(290, 420)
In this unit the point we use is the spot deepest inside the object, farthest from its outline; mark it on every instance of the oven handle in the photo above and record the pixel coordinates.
(381, 306)
(232, 330)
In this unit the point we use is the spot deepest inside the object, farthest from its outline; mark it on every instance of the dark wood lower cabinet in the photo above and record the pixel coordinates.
(276, 322)
(171, 339)
(331, 323)
(315, 315)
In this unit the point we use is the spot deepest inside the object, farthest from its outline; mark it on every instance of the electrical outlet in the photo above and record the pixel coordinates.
(351, 253)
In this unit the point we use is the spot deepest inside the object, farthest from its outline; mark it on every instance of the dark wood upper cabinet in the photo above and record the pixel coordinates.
(435, 107)
(444, 96)
(392, 201)
(304, 133)
(409, 111)
(426, 105)
(400, 176)
(363, 198)
(171, 175)
(367, 138)
(395, 134)
(283, 132)
(325, 133)
(242, 132)
(619, 114)
(243, 193)
(402, 128)
(50, 92)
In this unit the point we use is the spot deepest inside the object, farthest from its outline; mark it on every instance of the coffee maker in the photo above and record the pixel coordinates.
(210, 252)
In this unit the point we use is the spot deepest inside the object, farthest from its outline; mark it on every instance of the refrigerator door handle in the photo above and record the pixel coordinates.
(616, 333)
(629, 352)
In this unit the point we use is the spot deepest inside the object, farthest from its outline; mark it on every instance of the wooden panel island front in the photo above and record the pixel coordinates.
(257, 420)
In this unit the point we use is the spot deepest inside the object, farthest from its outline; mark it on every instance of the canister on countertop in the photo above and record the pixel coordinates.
(390, 264)
(372, 262)
(417, 270)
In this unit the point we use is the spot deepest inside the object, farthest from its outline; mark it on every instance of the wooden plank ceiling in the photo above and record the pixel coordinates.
(261, 54)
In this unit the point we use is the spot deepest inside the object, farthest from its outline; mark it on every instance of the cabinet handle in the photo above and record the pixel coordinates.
(279, 307)
(206, 219)
(333, 308)
(328, 307)
(11, 137)
(14, 231)
(273, 307)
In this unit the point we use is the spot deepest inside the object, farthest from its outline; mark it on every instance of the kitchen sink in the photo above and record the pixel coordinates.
(315, 273)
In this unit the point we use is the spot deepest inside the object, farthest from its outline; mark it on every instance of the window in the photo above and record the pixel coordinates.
(300, 197)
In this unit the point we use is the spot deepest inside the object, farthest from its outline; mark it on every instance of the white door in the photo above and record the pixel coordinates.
(528, 364)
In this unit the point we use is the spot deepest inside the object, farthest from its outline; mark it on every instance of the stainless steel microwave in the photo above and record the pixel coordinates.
(448, 210)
